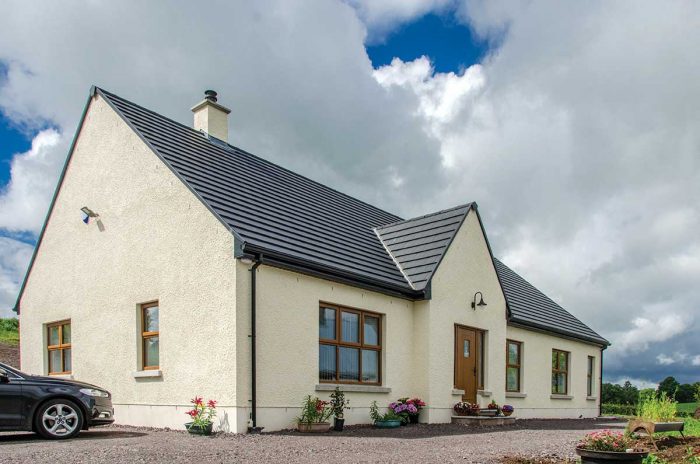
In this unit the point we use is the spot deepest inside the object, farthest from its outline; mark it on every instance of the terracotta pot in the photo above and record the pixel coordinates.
(602, 457)
(315, 427)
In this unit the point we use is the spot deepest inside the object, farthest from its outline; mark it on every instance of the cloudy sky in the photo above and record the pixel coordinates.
(574, 125)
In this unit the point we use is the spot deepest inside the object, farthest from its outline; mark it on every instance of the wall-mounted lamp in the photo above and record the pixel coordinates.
(88, 213)
(481, 303)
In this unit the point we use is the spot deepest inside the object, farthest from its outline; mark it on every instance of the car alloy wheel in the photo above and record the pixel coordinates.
(59, 419)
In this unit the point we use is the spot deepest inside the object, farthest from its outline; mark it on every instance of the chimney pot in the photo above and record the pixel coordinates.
(210, 95)
(211, 117)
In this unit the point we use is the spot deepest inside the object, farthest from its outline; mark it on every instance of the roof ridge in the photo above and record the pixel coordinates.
(247, 153)
(402, 221)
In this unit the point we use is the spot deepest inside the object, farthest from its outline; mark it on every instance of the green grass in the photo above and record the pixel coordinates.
(692, 429)
(9, 333)
(688, 407)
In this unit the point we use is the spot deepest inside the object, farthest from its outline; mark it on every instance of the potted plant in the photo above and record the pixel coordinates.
(464, 408)
(202, 416)
(314, 416)
(404, 410)
(338, 405)
(388, 420)
(507, 409)
(609, 446)
(492, 410)
(418, 404)
(655, 414)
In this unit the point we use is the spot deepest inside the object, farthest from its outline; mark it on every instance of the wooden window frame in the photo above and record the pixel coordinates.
(61, 347)
(339, 343)
(590, 367)
(147, 335)
(516, 366)
(556, 370)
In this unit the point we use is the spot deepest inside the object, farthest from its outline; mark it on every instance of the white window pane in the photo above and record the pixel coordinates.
(370, 366)
(326, 323)
(371, 330)
(326, 362)
(349, 363)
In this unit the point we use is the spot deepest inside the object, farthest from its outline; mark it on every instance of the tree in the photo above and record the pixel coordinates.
(630, 393)
(685, 393)
(668, 385)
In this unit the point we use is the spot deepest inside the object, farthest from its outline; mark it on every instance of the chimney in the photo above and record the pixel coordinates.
(210, 117)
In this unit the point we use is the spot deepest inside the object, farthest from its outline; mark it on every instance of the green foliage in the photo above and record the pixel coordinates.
(669, 385)
(654, 459)
(613, 409)
(685, 393)
(657, 408)
(697, 391)
(619, 394)
(9, 331)
(338, 403)
(314, 410)
(605, 440)
(375, 416)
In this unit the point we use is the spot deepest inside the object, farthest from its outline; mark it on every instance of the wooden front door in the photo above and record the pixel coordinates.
(466, 356)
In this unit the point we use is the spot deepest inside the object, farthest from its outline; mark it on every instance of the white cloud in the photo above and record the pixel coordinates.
(383, 16)
(23, 203)
(696, 360)
(577, 135)
(639, 383)
(666, 360)
(14, 258)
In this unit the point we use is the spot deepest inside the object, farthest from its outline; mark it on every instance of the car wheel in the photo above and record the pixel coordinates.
(57, 419)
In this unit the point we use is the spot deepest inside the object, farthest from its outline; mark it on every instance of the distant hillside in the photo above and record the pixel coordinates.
(9, 342)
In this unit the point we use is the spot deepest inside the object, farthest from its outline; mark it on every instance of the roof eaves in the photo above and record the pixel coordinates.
(516, 322)
(276, 259)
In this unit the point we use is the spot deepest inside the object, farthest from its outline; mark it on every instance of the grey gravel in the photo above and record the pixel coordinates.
(418, 443)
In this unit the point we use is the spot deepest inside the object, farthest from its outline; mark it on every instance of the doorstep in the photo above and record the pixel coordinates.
(483, 421)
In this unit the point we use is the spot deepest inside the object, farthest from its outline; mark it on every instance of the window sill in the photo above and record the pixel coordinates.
(484, 393)
(591, 398)
(353, 388)
(561, 397)
(457, 391)
(516, 395)
(147, 374)
(62, 376)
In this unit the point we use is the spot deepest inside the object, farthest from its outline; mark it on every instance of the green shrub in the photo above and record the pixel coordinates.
(655, 408)
(619, 409)
(9, 324)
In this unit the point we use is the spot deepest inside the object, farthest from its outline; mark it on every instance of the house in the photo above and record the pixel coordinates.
(273, 287)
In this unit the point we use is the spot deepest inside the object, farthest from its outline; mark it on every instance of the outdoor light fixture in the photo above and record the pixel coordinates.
(88, 211)
(481, 303)
(247, 260)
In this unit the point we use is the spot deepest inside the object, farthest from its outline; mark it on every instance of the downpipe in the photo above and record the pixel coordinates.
(253, 428)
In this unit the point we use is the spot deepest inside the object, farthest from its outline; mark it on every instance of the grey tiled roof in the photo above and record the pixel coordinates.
(297, 223)
(530, 307)
(418, 245)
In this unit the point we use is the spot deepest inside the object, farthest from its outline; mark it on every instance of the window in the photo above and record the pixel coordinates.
(513, 361)
(59, 347)
(560, 372)
(591, 376)
(349, 345)
(150, 346)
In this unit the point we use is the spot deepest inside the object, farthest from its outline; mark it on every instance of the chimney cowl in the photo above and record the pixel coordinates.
(210, 95)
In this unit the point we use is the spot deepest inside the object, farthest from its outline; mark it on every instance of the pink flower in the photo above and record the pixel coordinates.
(196, 400)
(211, 404)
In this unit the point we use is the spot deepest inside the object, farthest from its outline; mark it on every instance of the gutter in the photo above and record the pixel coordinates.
(253, 388)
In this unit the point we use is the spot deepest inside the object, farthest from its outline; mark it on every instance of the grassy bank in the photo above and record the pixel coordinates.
(9, 333)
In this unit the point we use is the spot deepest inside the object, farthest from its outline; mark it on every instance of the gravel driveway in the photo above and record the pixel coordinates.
(418, 443)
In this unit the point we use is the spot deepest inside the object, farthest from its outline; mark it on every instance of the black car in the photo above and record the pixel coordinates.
(55, 408)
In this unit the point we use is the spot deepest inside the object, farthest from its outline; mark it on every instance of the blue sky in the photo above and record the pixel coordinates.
(557, 117)
(450, 45)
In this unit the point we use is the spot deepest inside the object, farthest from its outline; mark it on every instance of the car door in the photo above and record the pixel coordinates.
(11, 400)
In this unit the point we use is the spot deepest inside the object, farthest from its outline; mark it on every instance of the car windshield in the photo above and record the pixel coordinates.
(12, 373)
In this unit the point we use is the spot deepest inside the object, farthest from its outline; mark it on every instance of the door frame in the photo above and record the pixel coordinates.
(480, 341)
